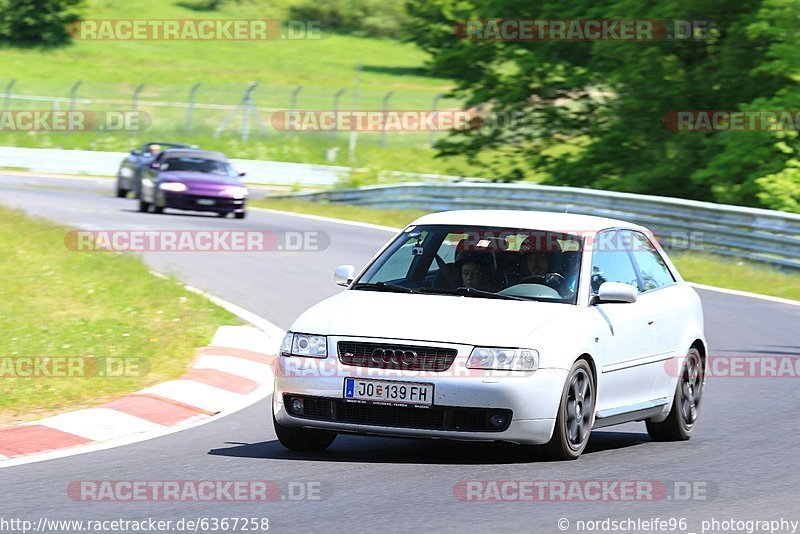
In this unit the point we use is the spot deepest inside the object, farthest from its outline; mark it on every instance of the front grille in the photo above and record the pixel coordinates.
(458, 419)
(399, 357)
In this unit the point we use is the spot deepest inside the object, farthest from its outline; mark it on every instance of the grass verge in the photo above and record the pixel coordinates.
(702, 268)
(105, 307)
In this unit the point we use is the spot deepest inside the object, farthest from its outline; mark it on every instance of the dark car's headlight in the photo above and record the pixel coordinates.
(235, 191)
(307, 345)
(175, 187)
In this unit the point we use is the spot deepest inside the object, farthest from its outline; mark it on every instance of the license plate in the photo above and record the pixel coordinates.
(388, 392)
(205, 202)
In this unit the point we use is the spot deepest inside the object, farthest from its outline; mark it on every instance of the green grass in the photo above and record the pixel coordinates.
(702, 268)
(111, 70)
(57, 302)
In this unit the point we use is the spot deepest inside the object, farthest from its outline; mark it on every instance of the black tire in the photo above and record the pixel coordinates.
(144, 207)
(575, 414)
(121, 193)
(222, 214)
(682, 418)
(303, 439)
(239, 215)
(157, 209)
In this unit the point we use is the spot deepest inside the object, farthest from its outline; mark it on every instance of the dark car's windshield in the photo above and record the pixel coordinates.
(479, 261)
(198, 165)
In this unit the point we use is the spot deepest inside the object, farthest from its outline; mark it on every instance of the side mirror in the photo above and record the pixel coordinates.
(135, 152)
(344, 275)
(616, 292)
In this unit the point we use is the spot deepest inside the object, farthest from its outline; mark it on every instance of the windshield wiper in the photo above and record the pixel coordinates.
(385, 286)
(472, 292)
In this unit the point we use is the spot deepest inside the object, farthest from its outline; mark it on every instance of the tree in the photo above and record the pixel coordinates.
(593, 111)
(30, 22)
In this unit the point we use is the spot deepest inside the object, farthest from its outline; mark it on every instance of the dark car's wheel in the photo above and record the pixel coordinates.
(575, 415)
(222, 214)
(680, 423)
(121, 193)
(303, 439)
(144, 207)
(239, 215)
(157, 209)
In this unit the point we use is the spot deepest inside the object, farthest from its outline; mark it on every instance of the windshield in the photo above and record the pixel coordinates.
(198, 165)
(479, 261)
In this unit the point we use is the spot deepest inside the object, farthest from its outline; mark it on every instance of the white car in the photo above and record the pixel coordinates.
(487, 325)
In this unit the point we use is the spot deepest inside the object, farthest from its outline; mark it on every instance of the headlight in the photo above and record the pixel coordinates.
(175, 187)
(235, 191)
(306, 345)
(503, 359)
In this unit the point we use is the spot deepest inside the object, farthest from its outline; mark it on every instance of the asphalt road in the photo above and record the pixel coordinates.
(743, 456)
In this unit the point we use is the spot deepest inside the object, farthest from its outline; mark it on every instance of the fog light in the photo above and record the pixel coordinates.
(297, 406)
(498, 420)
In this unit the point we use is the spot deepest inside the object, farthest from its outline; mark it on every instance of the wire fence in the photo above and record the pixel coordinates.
(209, 109)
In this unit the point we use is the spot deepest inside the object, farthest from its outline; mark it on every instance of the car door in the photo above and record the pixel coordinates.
(665, 302)
(626, 342)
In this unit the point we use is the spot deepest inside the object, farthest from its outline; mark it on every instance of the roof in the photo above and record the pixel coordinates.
(193, 153)
(528, 220)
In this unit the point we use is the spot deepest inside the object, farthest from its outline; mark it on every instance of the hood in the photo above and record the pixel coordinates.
(443, 318)
(199, 179)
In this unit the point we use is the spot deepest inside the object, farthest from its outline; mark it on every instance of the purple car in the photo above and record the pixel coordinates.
(196, 180)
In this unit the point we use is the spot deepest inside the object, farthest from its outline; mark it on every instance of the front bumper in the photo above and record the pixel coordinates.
(532, 398)
(216, 204)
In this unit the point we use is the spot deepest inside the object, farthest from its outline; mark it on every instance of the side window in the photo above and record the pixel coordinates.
(655, 272)
(611, 262)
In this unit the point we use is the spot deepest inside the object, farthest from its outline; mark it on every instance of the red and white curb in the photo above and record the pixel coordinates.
(235, 371)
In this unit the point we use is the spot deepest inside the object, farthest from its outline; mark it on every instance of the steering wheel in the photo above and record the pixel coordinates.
(554, 280)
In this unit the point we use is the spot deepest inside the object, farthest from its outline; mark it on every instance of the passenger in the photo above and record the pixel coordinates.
(475, 271)
(539, 264)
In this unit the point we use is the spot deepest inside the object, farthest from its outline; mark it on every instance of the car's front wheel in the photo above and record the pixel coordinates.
(121, 191)
(303, 439)
(575, 414)
(680, 423)
(144, 207)
(239, 214)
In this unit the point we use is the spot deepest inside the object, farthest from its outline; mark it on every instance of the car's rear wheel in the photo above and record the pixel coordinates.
(157, 209)
(303, 439)
(575, 414)
(680, 423)
(239, 215)
(144, 207)
(121, 193)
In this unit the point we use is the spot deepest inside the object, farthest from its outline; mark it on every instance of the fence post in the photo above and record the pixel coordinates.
(136, 93)
(385, 110)
(351, 145)
(293, 104)
(72, 93)
(7, 98)
(190, 108)
(434, 108)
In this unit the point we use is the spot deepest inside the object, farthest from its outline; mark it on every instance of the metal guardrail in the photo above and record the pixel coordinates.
(97, 163)
(756, 234)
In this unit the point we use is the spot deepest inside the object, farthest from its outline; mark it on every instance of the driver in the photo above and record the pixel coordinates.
(540, 263)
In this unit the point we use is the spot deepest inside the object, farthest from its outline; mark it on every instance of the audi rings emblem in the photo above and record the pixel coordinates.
(394, 356)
